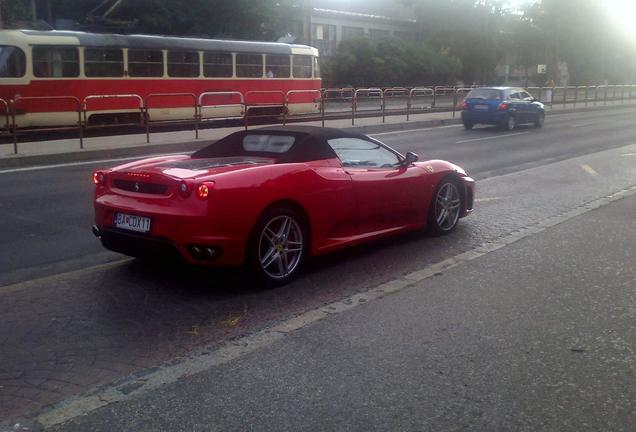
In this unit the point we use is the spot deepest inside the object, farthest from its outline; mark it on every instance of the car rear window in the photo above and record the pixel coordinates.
(268, 143)
(484, 93)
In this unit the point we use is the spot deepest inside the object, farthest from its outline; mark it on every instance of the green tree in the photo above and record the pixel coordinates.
(386, 63)
(13, 12)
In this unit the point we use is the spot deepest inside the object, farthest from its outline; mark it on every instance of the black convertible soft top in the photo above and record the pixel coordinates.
(310, 144)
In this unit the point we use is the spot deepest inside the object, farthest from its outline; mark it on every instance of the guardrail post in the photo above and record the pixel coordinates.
(434, 97)
(14, 129)
(196, 120)
(354, 97)
(586, 87)
(408, 105)
(605, 96)
(576, 95)
(565, 96)
(454, 102)
(81, 127)
(322, 106)
(146, 119)
(383, 104)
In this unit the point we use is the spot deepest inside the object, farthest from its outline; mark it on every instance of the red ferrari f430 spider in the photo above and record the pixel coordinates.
(269, 198)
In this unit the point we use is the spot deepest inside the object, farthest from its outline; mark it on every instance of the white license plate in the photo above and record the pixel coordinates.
(481, 107)
(132, 222)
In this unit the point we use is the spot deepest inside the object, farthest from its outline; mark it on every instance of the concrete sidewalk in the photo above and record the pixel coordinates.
(535, 335)
(121, 146)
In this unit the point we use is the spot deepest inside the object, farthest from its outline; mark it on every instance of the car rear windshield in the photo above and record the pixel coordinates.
(249, 144)
(485, 93)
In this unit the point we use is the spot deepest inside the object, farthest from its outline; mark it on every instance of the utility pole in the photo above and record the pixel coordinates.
(1, 21)
(308, 22)
(34, 11)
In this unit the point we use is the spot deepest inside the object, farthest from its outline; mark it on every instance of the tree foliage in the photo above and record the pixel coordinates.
(241, 19)
(388, 62)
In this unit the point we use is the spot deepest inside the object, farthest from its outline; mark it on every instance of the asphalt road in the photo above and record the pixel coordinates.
(67, 333)
(47, 213)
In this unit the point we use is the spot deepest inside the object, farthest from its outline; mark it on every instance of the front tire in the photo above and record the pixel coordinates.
(446, 207)
(278, 246)
(538, 123)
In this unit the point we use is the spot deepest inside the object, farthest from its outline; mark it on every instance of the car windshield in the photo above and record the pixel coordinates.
(485, 93)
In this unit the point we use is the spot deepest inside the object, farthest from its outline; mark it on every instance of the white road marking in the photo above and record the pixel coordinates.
(491, 137)
(489, 199)
(207, 358)
(9, 289)
(628, 154)
(415, 130)
(588, 169)
(68, 164)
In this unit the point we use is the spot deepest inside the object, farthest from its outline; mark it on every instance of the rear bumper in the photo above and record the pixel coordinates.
(485, 118)
(173, 236)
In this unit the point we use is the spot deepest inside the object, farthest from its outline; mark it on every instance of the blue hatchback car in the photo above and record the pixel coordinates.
(505, 107)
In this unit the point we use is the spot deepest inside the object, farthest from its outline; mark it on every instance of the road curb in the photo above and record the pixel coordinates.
(23, 161)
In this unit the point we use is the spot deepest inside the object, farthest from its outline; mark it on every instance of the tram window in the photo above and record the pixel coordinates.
(145, 63)
(249, 65)
(316, 68)
(302, 66)
(56, 62)
(217, 64)
(183, 63)
(277, 66)
(103, 62)
(12, 62)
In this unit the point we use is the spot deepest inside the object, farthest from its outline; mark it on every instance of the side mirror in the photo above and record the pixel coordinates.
(410, 158)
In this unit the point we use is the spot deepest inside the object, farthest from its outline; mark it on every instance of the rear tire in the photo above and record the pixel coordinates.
(278, 246)
(538, 123)
(468, 126)
(446, 207)
(510, 123)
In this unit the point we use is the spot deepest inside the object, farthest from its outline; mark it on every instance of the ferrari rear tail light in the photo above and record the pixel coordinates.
(99, 178)
(462, 106)
(503, 106)
(203, 190)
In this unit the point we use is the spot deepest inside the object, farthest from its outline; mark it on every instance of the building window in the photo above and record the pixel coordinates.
(375, 34)
(55, 62)
(324, 38)
(352, 32)
(183, 64)
(145, 63)
(249, 65)
(12, 62)
(302, 66)
(277, 66)
(217, 64)
(103, 62)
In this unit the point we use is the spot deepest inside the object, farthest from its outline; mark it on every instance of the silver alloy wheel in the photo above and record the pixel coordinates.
(511, 122)
(280, 247)
(447, 206)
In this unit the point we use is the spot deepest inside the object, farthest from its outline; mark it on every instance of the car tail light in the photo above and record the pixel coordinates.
(99, 178)
(184, 189)
(503, 106)
(462, 106)
(203, 190)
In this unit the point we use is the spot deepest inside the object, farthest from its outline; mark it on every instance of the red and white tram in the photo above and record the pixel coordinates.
(51, 75)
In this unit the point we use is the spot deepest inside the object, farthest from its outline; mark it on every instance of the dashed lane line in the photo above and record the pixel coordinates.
(494, 137)
(415, 130)
(591, 171)
(206, 358)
